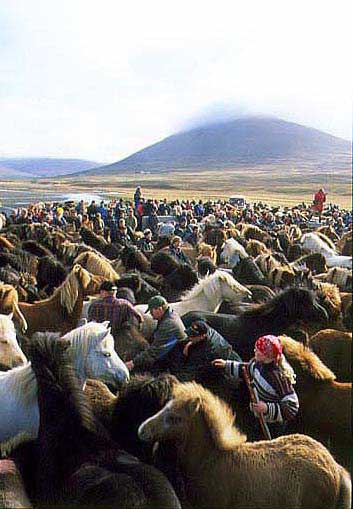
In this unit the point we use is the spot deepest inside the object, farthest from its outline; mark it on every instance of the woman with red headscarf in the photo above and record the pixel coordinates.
(272, 379)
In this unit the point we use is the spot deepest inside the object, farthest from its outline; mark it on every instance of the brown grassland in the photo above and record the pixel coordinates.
(274, 185)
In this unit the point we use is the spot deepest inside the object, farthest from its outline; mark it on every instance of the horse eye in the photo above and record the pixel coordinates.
(107, 354)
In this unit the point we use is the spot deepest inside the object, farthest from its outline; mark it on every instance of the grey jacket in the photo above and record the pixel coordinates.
(169, 331)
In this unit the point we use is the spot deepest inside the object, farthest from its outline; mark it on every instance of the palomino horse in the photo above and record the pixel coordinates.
(9, 304)
(222, 470)
(11, 354)
(93, 355)
(97, 264)
(61, 311)
(207, 295)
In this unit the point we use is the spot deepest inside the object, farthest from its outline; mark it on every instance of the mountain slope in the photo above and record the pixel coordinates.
(42, 167)
(248, 140)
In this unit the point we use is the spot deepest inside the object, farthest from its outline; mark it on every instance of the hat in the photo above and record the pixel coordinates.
(270, 346)
(147, 230)
(197, 328)
(156, 302)
(108, 286)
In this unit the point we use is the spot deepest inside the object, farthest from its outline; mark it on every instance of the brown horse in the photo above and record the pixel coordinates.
(62, 310)
(334, 348)
(325, 405)
(222, 470)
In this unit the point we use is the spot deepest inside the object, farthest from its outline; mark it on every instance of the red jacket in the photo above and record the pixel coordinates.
(319, 200)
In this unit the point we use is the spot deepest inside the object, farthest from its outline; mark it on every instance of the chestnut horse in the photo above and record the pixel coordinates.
(62, 310)
(222, 470)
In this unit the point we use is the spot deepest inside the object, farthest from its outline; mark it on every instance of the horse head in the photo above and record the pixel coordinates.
(11, 354)
(93, 347)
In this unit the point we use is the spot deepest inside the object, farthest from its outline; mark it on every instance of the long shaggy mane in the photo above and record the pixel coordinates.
(217, 415)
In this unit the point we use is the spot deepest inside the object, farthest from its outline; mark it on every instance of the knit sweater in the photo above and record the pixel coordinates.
(271, 386)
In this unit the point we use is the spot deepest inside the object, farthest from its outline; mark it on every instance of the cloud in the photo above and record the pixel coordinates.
(100, 80)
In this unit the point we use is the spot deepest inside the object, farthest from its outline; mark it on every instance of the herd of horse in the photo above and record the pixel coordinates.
(78, 430)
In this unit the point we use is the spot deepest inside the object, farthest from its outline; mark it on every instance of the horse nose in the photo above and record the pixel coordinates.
(17, 360)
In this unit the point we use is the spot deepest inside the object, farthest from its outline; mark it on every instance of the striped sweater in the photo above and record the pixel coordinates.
(271, 386)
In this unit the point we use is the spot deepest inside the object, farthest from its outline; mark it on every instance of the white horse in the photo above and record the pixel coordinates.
(232, 253)
(315, 244)
(11, 354)
(207, 295)
(93, 355)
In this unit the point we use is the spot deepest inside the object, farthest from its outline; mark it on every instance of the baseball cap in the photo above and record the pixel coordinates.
(197, 328)
(156, 302)
(108, 286)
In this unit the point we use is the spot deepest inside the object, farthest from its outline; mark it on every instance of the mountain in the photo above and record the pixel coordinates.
(42, 167)
(244, 141)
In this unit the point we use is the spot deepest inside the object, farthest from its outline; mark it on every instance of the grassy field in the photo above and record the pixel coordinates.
(274, 185)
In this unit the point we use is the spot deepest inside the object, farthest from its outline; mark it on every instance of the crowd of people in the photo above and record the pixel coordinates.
(141, 221)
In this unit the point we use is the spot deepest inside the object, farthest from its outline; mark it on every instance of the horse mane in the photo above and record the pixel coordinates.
(22, 381)
(308, 362)
(217, 415)
(208, 285)
(290, 298)
(86, 334)
(97, 264)
(326, 239)
(54, 370)
(68, 291)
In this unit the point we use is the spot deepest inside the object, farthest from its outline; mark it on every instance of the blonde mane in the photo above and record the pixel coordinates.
(218, 416)
(69, 290)
(210, 285)
(308, 362)
(98, 265)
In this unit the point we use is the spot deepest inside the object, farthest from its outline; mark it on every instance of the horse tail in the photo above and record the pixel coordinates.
(344, 499)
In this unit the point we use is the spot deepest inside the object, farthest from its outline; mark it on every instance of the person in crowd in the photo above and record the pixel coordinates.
(153, 222)
(272, 379)
(123, 236)
(98, 224)
(175, 250)
(181, 228)
(145, 244)
(318, 202)
(92, 210)
(131, 221)
(194, 237)
(137, 196)
(109, 308)
(170, 330)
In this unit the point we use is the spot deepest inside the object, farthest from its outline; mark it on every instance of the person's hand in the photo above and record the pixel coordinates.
(219, 363)
(129, 365)
(259, 408)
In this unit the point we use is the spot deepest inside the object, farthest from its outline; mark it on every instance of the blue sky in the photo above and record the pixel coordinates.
(100, 80)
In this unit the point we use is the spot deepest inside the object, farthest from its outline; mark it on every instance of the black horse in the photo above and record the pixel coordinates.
(289, 307)
(78, 464)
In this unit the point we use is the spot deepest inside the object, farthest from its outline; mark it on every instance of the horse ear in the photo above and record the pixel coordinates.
(106, 324)
(10, 315)
(77, 268)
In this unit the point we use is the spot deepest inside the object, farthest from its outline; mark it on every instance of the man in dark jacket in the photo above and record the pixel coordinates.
(169, 331)
(191, 359)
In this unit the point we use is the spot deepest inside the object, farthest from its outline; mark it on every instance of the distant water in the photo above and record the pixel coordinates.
(21, 197)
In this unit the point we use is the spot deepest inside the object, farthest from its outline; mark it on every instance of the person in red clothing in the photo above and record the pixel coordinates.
(319, 200)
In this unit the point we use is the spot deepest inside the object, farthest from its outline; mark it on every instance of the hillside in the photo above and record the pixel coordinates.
(246, 141)
(42, 167)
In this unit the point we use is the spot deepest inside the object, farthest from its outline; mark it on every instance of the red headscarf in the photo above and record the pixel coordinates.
(270, 346)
